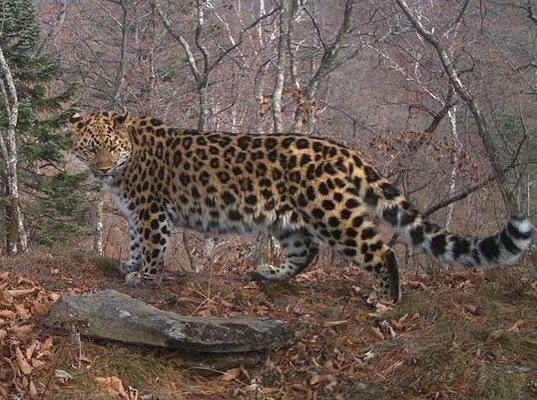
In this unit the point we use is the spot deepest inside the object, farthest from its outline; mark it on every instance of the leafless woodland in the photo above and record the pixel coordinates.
(438, 94)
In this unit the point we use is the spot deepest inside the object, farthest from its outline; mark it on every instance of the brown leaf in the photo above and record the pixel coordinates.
(40, 309)
(54, 296)
(495, 334)
(230, 374)
(21, 331)
(47, 344)
(377, 333)
(470, 308)
(3, 392)
(20, 292)
(6, 298)
(112, 386)
(315, 379)
(23, 364)
(30, 349)
(33, 390)
(22, 311)
(37, 364)
(62, 375)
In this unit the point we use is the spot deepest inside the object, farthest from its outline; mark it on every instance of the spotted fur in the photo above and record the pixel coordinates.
(301, 189)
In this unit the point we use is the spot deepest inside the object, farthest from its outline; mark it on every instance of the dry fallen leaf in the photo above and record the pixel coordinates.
(22, 311)
(21, 331)
(6, 313)
(495, 334)
(6, 298)
(20, 292)
(40, 309)
(54, 296)
(47, 344)
(315, 379)
(23, 364)
(112, 386)
(30, 349)
(3, 392)
(377, 333)
(230, 374)
(32, 389)
(470, 308)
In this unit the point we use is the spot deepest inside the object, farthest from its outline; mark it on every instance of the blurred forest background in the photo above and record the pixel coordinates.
(439, 95)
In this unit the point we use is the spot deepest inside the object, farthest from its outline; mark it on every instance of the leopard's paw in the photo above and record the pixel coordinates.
(127, 267)
(267, 272)
(134, 279)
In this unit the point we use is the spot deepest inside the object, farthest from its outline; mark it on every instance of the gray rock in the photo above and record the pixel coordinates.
(111, 315)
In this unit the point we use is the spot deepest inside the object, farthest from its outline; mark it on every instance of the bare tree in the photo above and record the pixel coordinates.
(443, 51)
(201, 67)
(16, 239)
(331, 58)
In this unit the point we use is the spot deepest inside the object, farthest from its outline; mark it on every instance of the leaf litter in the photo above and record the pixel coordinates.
(443, 340)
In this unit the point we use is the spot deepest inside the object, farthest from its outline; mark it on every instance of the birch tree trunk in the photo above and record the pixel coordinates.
(116, 103)
(452, 116)
(16, 239)
(279, 79)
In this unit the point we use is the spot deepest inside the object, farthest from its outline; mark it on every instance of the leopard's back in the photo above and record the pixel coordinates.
(221, 182)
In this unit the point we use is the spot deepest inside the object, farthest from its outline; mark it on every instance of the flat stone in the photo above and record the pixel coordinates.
(111, 315)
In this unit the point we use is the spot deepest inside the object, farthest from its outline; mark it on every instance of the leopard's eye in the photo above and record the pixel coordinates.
(113, 147)
(89, 152)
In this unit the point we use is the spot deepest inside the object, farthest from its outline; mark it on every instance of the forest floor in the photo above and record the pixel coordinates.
(455, 335)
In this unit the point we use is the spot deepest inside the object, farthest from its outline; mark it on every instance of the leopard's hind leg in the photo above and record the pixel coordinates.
(300, 247)
(355, 236)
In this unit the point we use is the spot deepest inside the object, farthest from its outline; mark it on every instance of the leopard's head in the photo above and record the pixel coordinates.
(101, 141)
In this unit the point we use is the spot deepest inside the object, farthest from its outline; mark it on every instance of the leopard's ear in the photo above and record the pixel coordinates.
(120, 119)
(75, 120)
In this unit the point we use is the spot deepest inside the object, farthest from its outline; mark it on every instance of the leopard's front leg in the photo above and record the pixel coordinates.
(135, 256)
(153, 231)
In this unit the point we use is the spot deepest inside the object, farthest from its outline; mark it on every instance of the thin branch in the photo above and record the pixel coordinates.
(457, 20)
(177, 36)
(449, 68)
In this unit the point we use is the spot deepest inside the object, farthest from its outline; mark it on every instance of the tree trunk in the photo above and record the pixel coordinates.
(16, 239)
(98, 225)
(280, 66)
(452, 115)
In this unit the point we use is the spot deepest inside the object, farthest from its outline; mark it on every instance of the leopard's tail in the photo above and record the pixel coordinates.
(501, 248)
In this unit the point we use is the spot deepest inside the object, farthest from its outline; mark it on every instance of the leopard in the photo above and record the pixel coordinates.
(303, 190)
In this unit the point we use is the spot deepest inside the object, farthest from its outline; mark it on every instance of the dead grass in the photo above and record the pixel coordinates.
(455, 335)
